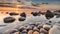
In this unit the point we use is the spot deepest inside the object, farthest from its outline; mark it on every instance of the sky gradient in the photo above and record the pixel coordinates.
(28, 5)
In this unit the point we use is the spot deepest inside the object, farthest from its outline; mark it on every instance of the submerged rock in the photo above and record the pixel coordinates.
(9, 20)
(22, 19)
(13, 13)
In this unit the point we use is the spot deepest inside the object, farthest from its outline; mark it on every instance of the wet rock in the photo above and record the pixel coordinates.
(22, 28)
(55, 29)
(49, 14)
(42, 30)
(35, 13)
(13, 13)
(46, 27)
(30, 31)
(23, 14)
(9, 20)
(57, 16)
(39, 27)
(16, 33)
(22, 19)
(30, 27)
(36, 32)
(24, 32)
(10, 31)
(7, 13)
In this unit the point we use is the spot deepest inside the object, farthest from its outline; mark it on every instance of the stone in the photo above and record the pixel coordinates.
(13, 13)
(23, 14)
(55, 29)
(9, 20)
(49, 14)
(22, 19)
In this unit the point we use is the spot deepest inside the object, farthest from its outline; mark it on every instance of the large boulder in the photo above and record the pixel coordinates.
(49, 14)
(22, 19)
(23, 14)
(13, 13)
(55, 29)
(9, 20)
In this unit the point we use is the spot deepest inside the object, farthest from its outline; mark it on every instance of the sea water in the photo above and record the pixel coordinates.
(29, 19)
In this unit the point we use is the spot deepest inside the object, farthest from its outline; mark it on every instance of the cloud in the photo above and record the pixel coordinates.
(28, 2)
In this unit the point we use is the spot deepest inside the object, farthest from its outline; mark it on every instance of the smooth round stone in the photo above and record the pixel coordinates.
(55, 29)
(9, 20)
(22, 19)
(35, 32)
(13, 13)
(35, 13)
(30, 31)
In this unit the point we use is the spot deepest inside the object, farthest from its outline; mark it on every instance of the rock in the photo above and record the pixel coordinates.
(42, 13)
(35, 13)
(22, 19)
(39, 27)
(42, 30)
(13, 13)
(35, 29)
(30, 31)
(16, 33)
(36, 32)
(30, 27)
(49, 14)
(22, 28)
(7, 12)
(24, 32)
(46, 27)
(10, 31)
(57, 16)
(55, 29)
(9, 20)
(23, 14)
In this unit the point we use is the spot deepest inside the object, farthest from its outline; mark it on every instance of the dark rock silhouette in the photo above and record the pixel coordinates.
(23, 14)
(35, 13)
(49, 14)
(13, 13)
(22, 19)
(9, 20)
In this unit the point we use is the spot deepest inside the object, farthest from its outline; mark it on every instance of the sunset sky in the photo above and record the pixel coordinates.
(31, 5)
